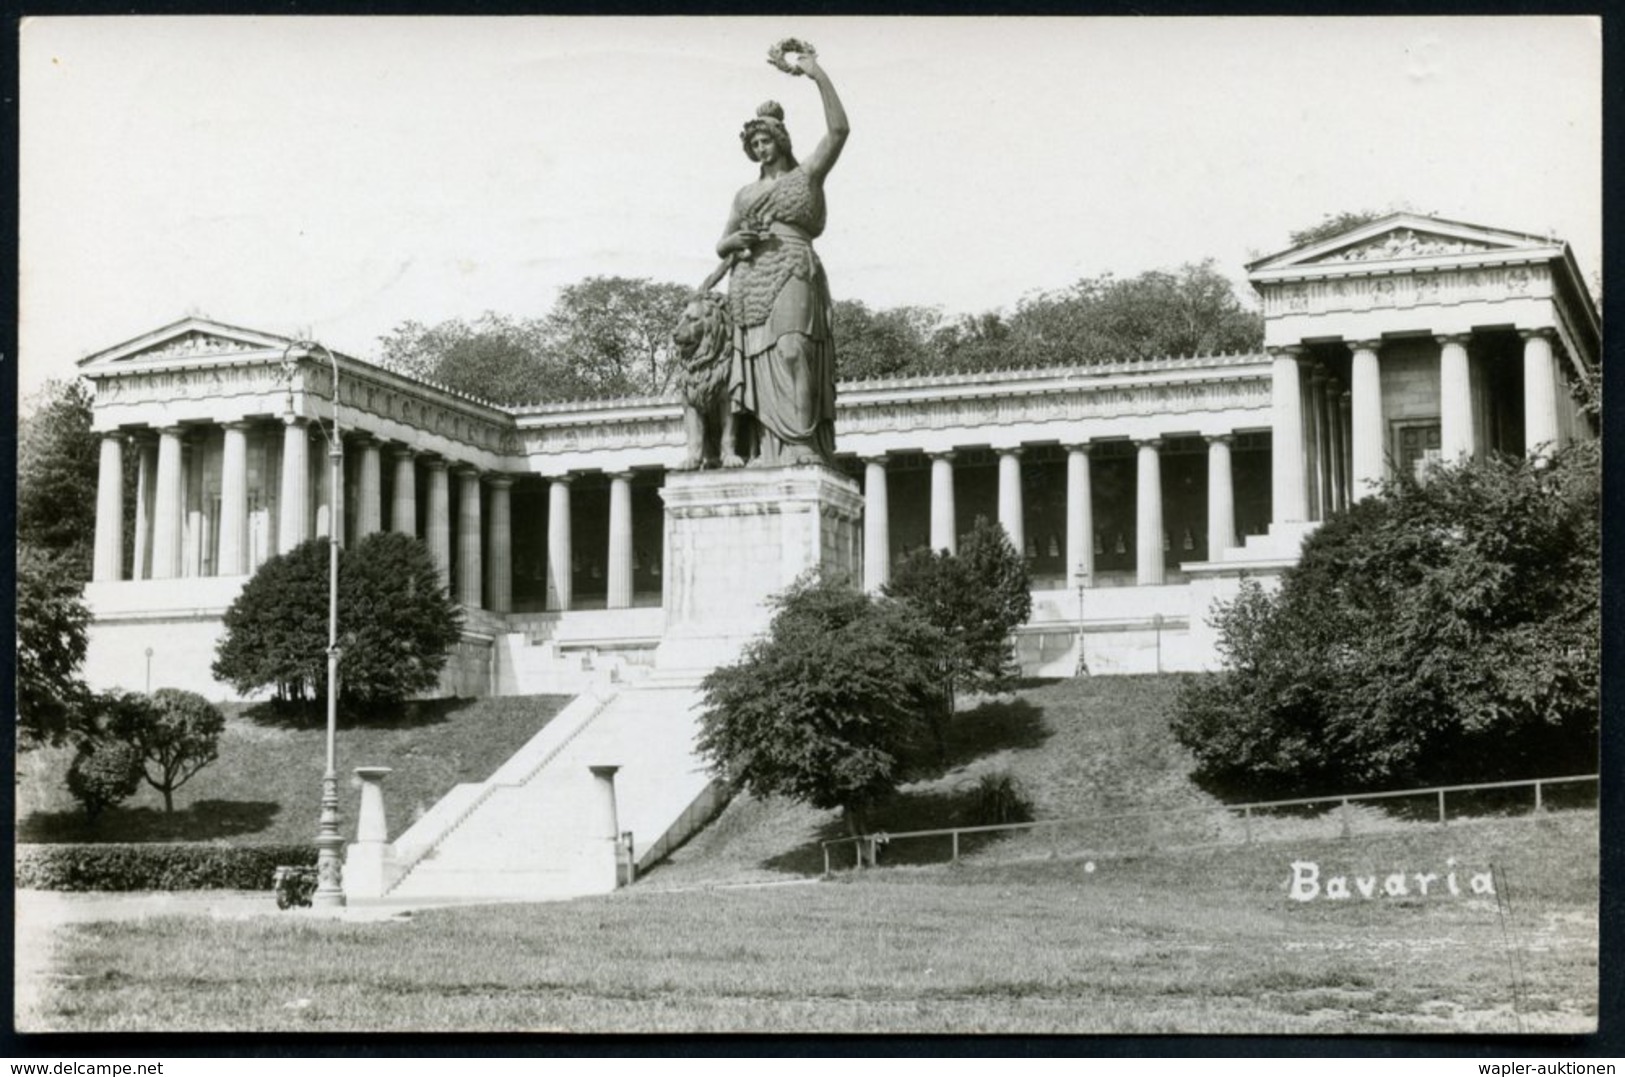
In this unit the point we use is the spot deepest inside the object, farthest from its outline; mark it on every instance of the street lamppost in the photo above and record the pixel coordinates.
(329, 863)
(1082, 669)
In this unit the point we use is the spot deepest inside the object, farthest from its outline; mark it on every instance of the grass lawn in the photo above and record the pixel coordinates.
(1196, 942)
(265, 785)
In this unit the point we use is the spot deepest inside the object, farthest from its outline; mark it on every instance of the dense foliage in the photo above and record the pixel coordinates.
(611, 336)
(51, 639)
(57, 468)
(831, 705)
(397, 623)
(1447, 631)
(976, 598)
(175, 733)
(192, 866)
(104, 773)
(604, 337)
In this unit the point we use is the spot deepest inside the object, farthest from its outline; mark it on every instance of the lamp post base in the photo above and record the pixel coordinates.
(329, 863)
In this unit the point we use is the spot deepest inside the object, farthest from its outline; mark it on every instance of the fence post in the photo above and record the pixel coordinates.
(956, 846)
(826, 860)
(1247, 825)
(1540, 805)
(1348, 829)
(1441, 807)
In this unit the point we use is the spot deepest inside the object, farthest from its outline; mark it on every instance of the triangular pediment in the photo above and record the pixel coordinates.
(1403, 237)
(189, 338)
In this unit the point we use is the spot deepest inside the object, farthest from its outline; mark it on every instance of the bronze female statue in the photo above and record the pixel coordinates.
(783, 362)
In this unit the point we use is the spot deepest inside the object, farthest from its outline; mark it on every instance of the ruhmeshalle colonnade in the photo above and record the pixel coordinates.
(1138, 492)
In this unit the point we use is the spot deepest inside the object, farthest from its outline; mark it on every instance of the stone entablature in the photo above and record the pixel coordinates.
(1197, 395)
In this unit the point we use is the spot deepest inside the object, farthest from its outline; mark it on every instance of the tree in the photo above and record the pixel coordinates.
(615, 332)
(175, 733)
(883, 343)
(495, 358)
(397, 623)
(976, 598)
(1193, 310)
(830, 706)
(104, 774)
(57, 472)
(1442, 631)
(52, 622)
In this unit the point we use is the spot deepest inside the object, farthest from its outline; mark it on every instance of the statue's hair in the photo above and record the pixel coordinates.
(770, 118)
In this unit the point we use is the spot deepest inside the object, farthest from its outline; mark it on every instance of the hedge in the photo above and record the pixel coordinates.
(153, 866)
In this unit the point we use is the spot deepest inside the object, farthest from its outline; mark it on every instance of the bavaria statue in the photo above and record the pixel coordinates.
(759, 365)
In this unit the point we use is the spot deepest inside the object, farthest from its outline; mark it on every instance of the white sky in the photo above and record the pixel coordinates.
(338, 176)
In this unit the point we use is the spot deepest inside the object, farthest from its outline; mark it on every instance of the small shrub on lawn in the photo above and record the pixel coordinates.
(155, 867)
(1000, 799)
(104, 773)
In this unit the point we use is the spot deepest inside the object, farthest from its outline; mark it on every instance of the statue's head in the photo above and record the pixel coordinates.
(769, 118)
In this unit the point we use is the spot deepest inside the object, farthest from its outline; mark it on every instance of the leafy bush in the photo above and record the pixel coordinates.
(1000, 799)
(155, 867)
(397, 623)
(52, 621)
(175, 733)
(831, 705)
(1439, 632)
(104, 773)
(976, 598)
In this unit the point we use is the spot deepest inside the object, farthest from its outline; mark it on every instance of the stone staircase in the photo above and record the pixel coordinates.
(530, 831)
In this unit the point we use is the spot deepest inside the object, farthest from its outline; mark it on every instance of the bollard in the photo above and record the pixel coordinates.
(607, 825)
(1348, 829)
(364, 873)
(1540, 805)
(1441, 807)
(956, 846)
(1247, 826)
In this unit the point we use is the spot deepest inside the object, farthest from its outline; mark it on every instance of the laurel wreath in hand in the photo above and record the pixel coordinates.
(775, 55)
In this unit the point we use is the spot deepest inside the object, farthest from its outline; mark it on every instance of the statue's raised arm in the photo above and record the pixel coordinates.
(823, 158)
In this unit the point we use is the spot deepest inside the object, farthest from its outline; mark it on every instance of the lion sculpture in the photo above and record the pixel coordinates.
(703, 336)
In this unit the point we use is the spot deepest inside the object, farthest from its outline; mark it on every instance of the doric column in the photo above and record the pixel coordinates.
(1221, 498)
(1335, 446)
(234, 502)
(876, 524)
(109, 550)
(499, 545)
(322, 509)
(944, 531)
(558, 543)
(403, 509)
(192, 530)
(1539, 392)
(1345, 404)
(369, 489)
(1010, 513)
(437, 520)
(469, 559)
(1286, 445)
(166, 510)
(146, 468)
(293, 526)
(618, 585)
(1455, 398)
(1366, 424)
(1148, 514)
(1080, 516)
(1311, 441)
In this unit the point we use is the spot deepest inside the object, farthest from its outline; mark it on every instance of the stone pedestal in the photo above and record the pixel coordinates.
(736, 537)
(366, 866)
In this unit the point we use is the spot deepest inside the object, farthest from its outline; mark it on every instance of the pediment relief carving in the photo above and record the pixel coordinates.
(192, 344)
(1406, 243)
